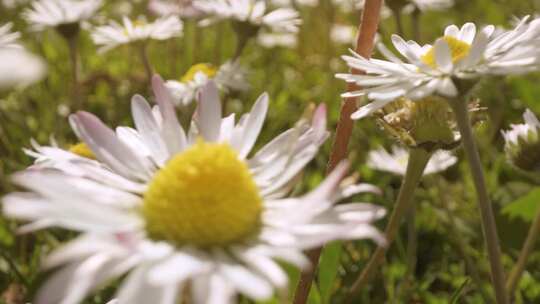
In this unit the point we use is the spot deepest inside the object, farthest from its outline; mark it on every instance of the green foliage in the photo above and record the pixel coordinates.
(524, 207)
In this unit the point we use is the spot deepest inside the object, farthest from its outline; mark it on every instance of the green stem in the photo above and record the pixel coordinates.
(75, 71)
(399, 21)
(416, 24)
(412, 248)
(146, 61)
(459, 107)
(418, 160)
(528, 246)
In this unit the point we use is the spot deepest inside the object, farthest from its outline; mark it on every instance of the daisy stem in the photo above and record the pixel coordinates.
(146, 62)
(418, 159)
(459, 107)
(364, 46)
(399, 21)
(416, 24)
(528, 246)
(75, 70)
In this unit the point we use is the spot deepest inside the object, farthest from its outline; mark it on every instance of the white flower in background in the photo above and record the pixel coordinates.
(253, 12)
(396, 162)
(194, 211)
(182, 8)
(432, 5)
(355, 5)
(271, 40)
(343, 34)
(289, 3)
(53, 13)
(115, 34)
(9, 39)
(11, 4)
(522, 143)
(231, 76)
(19, 68)
(460, 54)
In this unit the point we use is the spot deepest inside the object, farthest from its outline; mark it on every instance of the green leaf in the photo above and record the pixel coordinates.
(524, 207)
(328, 269)
(314, 295)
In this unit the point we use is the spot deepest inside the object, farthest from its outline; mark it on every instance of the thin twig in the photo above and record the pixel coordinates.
(364, 46)
(528, 246)
(75, 71)
(146, 61)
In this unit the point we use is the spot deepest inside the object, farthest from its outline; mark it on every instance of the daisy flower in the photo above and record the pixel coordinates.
(188, 215)
(271, 40)
(19, 68)
(115, 34)
(460, 54)
(9, 39)
(56, 13)
(396, 162)
(231, 76)
(252, 12)
(522, 143)
(182, 8)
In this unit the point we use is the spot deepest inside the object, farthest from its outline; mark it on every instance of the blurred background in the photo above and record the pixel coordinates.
(451, 260)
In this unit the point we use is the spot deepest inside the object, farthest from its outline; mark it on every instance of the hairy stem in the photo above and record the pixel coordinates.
(418, 160)
(489, 228)
(364, 46)
(528, 246)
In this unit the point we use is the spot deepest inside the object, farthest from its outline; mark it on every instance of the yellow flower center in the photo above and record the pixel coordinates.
(82, 150)
(209, 70)
(205, 197)
(458, 49)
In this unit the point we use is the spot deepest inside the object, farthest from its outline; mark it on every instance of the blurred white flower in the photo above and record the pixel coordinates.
(289, 3)
(167, 211)
(253, 12)
(53, 13)
(432, 5)
(10, 4)
(522, 143)
(396, 162)
(182, 8)
(271, 40)
(355, 5)
(459, 54)
(19, 68)
(9, 39)
(115, 34)
(230, 76)
(343, 34)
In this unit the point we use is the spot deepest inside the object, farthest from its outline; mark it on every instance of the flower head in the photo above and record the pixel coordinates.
(9, 39)
(231, 76)
(251, 12)
(115, 34)
(461, 54)
(176, 210)
(57, 13)
(19, 68)
(396, 162)
(522, 143)
(182, 8)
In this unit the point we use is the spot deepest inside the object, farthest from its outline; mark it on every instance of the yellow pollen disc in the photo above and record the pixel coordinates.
(205, 197)
(82, 150)
(206, 68)
(458, 48)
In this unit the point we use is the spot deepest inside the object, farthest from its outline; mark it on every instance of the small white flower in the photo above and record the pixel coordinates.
(254, 12)
(289, 3)
(182, 8)
(522, 143)
(343, 34)
(115, 34)
(462, 53)
(271, 40)
(231, 76)
(432, 5)
(53, 13)
(174, 211)
(19, 68)
(396, 162)
(9, 39)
